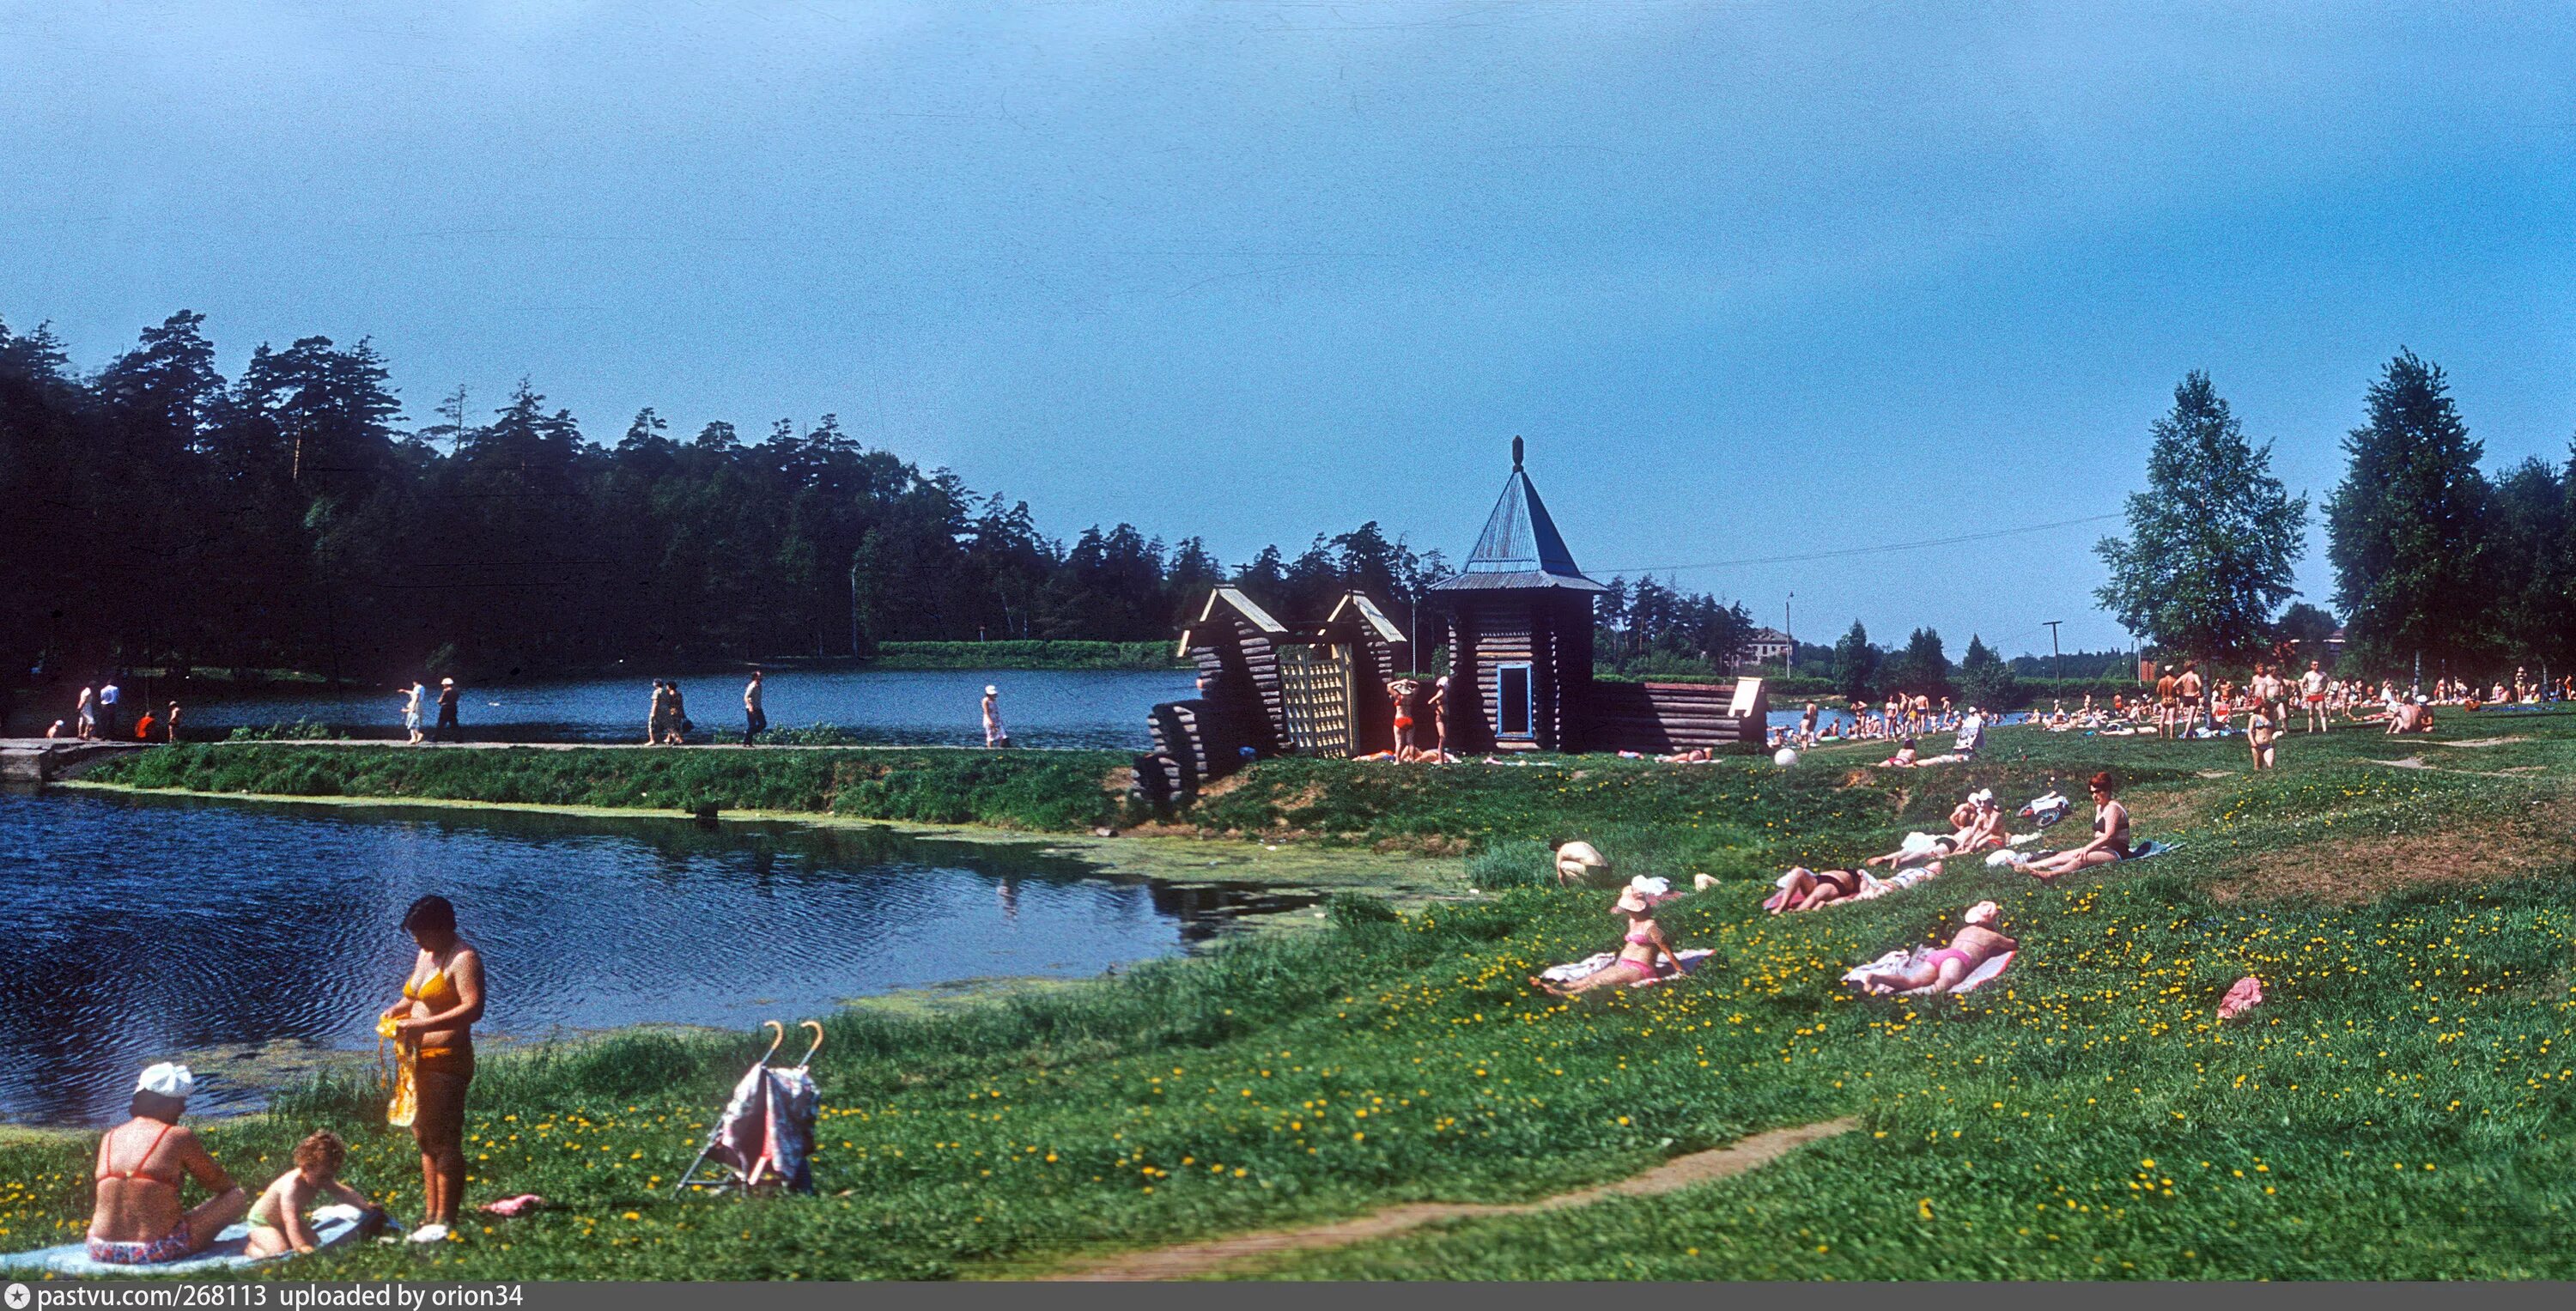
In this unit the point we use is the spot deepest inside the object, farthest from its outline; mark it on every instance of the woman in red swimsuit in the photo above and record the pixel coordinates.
(141, 1163)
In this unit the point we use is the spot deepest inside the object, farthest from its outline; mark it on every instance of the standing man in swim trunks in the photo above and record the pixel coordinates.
(754, 721)
(2165, 703)
(2188, 690)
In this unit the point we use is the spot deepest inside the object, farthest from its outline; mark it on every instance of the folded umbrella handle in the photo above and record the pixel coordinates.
(818, 1043)
(777, 1035)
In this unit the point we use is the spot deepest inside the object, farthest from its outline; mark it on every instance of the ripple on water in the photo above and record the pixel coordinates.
(146, 927)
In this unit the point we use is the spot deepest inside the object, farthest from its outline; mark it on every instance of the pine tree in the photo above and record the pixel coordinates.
(1984, 679)
(2406, 529)
(1922, 668)
(2212, 541)
(1855, 663)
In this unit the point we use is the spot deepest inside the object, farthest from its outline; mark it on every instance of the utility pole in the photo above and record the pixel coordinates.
(1788, 658)
(2056, 662)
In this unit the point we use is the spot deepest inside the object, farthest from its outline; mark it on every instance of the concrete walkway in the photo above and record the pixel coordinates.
(43, 759)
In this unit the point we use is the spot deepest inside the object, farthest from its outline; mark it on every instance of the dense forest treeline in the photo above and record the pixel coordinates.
(165, 515)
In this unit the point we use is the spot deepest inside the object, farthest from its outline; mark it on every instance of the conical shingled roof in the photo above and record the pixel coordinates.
(1520, 546)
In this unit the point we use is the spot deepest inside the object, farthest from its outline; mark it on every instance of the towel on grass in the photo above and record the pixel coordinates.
(332, 1226)
(1872, 886)
(1602, 960)
(2145, 851)
(1858, 976)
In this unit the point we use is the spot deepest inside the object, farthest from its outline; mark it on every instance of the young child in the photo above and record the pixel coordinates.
(276, 1220)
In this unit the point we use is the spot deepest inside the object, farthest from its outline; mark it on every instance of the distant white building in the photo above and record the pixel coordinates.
(1766, 646)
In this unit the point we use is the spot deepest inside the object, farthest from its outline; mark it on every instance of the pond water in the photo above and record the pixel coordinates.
(1040, 707)
(250, 938)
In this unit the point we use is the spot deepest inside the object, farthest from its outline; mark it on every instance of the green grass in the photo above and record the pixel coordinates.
(1026, 655)
(1045, 791)
(2087, 1118)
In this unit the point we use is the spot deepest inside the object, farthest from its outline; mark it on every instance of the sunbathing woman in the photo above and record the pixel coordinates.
(2110, 842)
(141, 1163)
(1807, 889)
(1984, 830)
(1904, 758)
(1973, 945)
(1638, 956)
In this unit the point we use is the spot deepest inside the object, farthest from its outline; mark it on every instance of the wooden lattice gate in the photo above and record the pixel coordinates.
(1315, 691)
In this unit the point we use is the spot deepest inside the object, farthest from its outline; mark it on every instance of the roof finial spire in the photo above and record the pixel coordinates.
(1516, 454)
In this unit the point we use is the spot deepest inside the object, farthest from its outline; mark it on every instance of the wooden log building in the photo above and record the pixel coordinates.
(1520, 624)
(1520, 628)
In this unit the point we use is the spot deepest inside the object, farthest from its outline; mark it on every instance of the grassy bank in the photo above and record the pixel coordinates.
(2401, 1106)
(1045, 791)
(1026, 655)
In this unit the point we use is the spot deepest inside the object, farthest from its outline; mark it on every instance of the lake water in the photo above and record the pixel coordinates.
(1040, 707)
(246, 938)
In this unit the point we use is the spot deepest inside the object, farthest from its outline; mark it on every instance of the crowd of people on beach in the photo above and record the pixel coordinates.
(1978, 828)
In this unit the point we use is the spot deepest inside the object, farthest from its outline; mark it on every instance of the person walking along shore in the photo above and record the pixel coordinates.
(446, 712)
(994, 734)
(754, 721)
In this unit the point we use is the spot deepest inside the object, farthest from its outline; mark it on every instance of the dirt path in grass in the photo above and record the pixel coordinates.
(1192, 1260)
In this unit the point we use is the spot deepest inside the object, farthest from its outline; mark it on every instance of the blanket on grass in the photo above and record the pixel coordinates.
(2148, 850)
(1601, 960)
(332, 1226)
(1858, 976)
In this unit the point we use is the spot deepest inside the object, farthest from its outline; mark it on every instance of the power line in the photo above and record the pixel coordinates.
(1861, 550)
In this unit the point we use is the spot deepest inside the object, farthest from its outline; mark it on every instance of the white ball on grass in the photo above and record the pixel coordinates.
(1784, 757)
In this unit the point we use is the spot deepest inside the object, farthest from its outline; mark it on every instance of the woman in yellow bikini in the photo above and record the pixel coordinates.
(441, 1001)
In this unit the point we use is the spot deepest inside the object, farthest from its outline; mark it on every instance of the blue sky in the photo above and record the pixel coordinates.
(1753, 280)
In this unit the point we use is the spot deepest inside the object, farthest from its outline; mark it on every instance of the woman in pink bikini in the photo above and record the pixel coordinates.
(1973, 945)
(141, 1163)
(1639, 956)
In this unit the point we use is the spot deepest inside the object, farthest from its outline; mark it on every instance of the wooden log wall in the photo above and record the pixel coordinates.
(1552, 632)
(1241, 665)
(1661, 718)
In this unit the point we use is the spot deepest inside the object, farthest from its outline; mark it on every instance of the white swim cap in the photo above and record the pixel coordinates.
(167, 1080)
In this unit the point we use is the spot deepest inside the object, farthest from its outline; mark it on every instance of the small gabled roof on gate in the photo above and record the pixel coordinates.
(1369, 614)
(1243, 605)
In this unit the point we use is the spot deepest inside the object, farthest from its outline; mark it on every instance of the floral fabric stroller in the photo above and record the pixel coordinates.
(766, 1134)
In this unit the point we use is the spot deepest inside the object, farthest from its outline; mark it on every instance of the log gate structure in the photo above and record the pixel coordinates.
(1519, 624)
